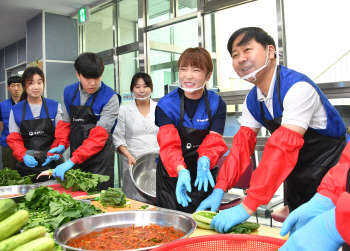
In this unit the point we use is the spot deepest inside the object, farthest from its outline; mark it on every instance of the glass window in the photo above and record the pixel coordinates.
(128, 67)
(98, 33)
(166, 46)
(186, 6)
(158, 11)
(127, 22)
(108, 76)
(317, 43)
(219, 26)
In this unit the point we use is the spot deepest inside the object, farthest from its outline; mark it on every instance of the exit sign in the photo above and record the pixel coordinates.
(84, 15)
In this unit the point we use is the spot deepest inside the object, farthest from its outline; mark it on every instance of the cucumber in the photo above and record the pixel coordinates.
(13, 223)
(23, 238)
(41, 244)
(204, 216)
(199, 224)
(7, 207)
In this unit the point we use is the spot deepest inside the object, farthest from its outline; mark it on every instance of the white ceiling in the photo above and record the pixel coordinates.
(15, 13)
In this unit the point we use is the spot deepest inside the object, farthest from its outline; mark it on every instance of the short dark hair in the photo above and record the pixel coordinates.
(258, 34)
(28, 76)
(147, 78)
(90, 65)
(14, 79)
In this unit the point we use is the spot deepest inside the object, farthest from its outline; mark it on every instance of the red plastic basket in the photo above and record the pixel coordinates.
(224, 242)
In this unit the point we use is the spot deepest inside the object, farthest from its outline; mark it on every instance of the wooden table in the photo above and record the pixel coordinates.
(135, 205)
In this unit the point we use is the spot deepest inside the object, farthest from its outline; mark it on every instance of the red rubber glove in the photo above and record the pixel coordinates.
(333, 183)
(213, 147)
(280, 156)
(62, 133)
(170, 149)
(92, 145)
(16, 142)
(238, 160)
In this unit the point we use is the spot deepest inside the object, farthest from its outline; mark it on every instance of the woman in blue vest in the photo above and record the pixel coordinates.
(89, 117)
(307, 133)
(32, 124)
(191, 122)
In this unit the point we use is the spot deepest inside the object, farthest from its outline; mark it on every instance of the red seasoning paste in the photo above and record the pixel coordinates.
(10, 195)
(126, 238)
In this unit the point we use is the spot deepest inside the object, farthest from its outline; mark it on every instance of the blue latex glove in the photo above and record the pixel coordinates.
(213, 201)
(60, 149)
(183, 184)
(60, 170)
(319, 234)
(30, 161)
(306, 212)
(228, 218)
(204, 174)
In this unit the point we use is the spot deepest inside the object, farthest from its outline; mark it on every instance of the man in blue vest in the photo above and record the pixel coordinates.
(307, 133)
(15, 87)
(90, 112)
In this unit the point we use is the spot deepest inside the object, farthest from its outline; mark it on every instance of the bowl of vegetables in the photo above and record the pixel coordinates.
(136, 230)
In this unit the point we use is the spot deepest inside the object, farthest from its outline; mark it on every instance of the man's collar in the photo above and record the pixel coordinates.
(261, 96)
(12, 101)
(81, 88)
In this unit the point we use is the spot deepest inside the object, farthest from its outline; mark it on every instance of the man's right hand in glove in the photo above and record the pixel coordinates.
(213, 201)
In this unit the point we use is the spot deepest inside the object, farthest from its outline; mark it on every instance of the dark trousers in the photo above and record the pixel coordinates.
(7, 158)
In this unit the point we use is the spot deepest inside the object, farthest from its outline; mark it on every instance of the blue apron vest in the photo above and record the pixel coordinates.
(322, 148)
(5, 108)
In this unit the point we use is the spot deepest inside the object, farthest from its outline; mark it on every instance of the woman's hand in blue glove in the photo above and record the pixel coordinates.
(60, 170)
(306, 212)
(59, 150)
(204, 174)
(183, 185)
(30, 161)
(319, 234)
(213, 201)
(228, 218)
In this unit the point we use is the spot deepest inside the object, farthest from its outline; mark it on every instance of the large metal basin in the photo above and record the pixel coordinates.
(179, 220)
(143, 175)
(17, 189)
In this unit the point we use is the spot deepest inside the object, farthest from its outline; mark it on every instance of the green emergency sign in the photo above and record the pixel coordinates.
(83, 15)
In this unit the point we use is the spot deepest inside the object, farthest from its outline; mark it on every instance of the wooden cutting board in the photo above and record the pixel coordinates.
(135, 205)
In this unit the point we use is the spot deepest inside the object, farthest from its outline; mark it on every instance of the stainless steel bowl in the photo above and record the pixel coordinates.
(17, 189)
(143, 175)
(179, 220)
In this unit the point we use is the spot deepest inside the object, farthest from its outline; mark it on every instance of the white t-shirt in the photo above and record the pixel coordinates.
(302, 107)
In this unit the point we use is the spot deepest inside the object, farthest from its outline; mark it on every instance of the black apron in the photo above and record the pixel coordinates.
(318, 154)
(37, 134)
(191, 139)
(82, 120)
(346, 247)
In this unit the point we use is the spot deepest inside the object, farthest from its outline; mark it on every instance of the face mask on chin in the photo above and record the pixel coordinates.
(142, 99)
(253, 74)
(190, 90)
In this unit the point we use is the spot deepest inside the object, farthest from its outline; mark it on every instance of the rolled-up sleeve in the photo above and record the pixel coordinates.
(109, 114)
(13, 127)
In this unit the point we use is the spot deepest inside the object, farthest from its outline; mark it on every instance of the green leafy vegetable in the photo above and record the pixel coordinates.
(112, 197)
(50, 209)
(81, 181)
(9, 177)
(143, 207)
(244, 228)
